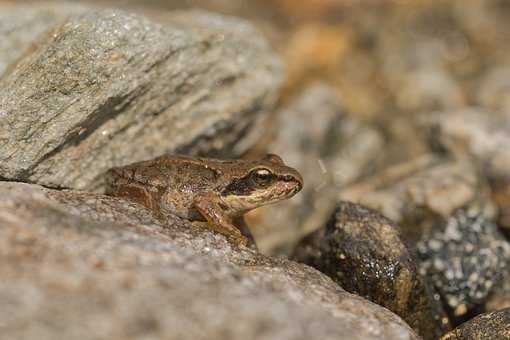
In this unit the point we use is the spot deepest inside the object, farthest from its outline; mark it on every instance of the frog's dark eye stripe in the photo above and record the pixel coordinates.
(240, 187)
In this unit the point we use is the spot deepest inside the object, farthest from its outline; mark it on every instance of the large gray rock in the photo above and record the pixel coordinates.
(21, 25)
(108, 88)
(85, 266)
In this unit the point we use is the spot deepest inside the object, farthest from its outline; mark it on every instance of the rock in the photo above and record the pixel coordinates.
(421, 193)
(109, 88)
(495, 325)
(361, 250)
(427, 89)
(474, 133)
(493, 92)
(500, 295)
(466, 259)
(78, 265)
(23, 24)
(484, 138)
(330, 150)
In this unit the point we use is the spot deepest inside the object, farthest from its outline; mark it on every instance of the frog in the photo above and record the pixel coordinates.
(215, 191)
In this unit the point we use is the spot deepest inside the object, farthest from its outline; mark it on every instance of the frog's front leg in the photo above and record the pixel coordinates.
(217, 219)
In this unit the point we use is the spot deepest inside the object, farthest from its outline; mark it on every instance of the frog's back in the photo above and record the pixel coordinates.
(167, 184)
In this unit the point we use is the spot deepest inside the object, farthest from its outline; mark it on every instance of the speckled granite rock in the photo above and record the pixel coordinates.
(330, 149)
(495, 325)
(422, 192)
(362, 251)
(85, 266)
(465, 260)
(108, 88)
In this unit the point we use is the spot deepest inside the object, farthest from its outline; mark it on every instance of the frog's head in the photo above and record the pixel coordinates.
(261, 182)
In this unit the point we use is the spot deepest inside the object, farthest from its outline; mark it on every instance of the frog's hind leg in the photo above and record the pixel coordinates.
(218, 220)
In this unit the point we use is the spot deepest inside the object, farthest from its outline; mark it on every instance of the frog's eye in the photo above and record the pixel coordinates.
(261, 177)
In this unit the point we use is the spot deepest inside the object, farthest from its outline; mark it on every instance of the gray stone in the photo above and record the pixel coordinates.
(475, 133)
(22, 24)
(362, 251)
(109, 88)
(330, 149)
(465, 259)
(84, 266)
(483, 137)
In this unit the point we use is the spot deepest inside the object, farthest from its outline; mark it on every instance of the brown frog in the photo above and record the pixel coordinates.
(201, 189)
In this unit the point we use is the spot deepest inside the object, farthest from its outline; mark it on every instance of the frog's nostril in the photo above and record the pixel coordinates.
(288, 178)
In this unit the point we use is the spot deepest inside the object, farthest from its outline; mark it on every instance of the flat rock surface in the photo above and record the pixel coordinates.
(192, 82)
(86, 266)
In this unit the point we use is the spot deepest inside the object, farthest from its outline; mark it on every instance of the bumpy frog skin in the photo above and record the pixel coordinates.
(198, 189)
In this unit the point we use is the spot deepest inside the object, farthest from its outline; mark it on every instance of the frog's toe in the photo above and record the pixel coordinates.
(240, 240)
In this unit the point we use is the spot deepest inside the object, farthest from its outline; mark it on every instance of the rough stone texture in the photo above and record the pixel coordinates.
(421, 193)
(108, 88)
(465, 260)
(21, 25)
(361, 250)
(85, 266)
(330, 149)
(484, 138)
(495, 325)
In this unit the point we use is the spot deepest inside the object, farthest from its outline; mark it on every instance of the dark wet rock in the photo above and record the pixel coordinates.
(77, 265)
(362, 251)
(465, 260)
(329, 148)
(483, 137)
(423, 192)
(108, 88)
(494, 325)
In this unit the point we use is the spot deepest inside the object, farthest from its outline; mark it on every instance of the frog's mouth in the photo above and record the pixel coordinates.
(280, 191)
(287, 189)
(256, 197)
